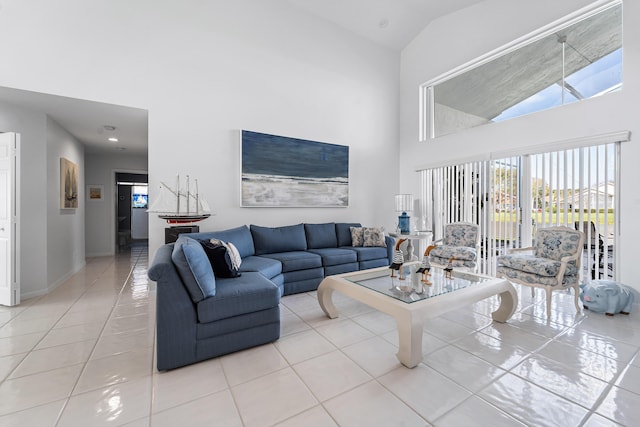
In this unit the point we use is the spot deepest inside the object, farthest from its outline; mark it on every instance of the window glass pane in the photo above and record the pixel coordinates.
(580, 61)
(140, 189)
(602, 76)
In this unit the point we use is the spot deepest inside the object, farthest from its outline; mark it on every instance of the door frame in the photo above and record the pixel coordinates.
(10, 295)
(114, 201)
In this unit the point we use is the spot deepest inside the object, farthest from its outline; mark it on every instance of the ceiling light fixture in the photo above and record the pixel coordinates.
(112, 139)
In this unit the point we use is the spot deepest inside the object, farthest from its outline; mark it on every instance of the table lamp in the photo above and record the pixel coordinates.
(404, 203)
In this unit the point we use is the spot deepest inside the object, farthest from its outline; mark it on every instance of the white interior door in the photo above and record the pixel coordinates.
(9, 215)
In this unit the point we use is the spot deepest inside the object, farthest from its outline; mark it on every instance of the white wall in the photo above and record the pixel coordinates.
(100, 216)
(204, 70)
(51, 239)
(460, 37)
(33, 222)
(65, 227)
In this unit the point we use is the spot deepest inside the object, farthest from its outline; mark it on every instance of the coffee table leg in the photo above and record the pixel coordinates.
(325, 294)
(410, 327)
(508, 304)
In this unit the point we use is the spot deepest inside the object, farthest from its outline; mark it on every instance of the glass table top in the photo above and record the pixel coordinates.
(407, 291)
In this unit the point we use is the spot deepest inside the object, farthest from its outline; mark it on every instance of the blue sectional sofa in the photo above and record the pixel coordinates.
(201, 315)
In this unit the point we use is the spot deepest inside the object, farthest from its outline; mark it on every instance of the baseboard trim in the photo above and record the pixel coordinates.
(100, 254)
(52, 286)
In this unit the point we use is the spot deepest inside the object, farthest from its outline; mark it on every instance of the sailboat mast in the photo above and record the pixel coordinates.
(178, 193)
(165, 207)
(188, 196)
(197, 199)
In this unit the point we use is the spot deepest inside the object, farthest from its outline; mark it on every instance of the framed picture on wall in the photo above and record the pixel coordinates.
(69, 178)
(279, 171)
(95, 193)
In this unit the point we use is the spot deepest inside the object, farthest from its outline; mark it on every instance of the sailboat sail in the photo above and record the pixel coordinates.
(180, 206)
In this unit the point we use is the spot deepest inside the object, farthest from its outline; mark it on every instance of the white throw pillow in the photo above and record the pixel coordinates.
(236, 260)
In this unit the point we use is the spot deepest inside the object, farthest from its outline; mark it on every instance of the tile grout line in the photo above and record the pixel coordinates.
(33, 349)
(64, 407)
(43, 337)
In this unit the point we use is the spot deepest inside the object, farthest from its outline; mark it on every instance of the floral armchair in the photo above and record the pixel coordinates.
(460, 242)
(553, 265)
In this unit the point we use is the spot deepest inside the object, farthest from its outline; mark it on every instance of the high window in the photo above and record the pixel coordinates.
(578, 59)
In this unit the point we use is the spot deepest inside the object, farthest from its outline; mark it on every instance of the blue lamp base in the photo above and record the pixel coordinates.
(403, 223)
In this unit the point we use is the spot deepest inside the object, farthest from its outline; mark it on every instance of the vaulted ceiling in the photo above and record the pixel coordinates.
(390, 23)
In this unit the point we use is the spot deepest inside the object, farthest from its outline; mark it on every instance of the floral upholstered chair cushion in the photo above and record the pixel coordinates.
(460, 242)
(461, 234)
(556, 244)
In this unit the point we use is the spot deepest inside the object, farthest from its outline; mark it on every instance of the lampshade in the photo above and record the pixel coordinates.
(404, 202)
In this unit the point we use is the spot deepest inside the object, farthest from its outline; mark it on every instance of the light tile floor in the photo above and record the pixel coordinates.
(83, 355)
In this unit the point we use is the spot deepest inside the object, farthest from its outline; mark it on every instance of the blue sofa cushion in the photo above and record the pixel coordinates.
(343, 232)
(335, 256)
(330, 270)
(240, 237)
(194, 268)
(246, 294)
(302, 275)
(231, 325)
(369, 253)
(220, 259)
(296, 260)
(321, 235)
(268, 267)
(372, 263)
(267, 240)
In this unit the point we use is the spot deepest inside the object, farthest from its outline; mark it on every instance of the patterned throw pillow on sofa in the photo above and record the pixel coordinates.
(357, 236)
(373, 237)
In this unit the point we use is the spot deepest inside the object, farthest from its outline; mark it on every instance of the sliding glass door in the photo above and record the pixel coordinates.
(511, 197)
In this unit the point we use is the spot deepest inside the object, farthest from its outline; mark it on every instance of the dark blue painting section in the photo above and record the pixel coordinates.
(266, 154)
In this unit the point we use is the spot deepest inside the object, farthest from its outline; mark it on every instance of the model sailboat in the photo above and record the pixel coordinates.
(180, 206)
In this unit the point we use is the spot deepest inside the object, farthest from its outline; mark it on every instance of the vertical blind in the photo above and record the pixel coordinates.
(511, 197)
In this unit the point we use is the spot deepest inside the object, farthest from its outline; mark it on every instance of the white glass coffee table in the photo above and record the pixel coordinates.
(377, 289)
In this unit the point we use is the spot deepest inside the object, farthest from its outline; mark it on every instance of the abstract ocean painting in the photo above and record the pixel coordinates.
(279, 171)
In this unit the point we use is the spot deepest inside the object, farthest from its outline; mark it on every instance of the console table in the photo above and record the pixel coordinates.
(171, 233)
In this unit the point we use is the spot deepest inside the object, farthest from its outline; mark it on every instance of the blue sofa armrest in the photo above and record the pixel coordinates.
(176, 316)
(391, 243)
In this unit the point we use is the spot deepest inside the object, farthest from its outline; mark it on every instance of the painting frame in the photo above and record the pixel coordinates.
(280, 171)
(95, 192)
(69, 178)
